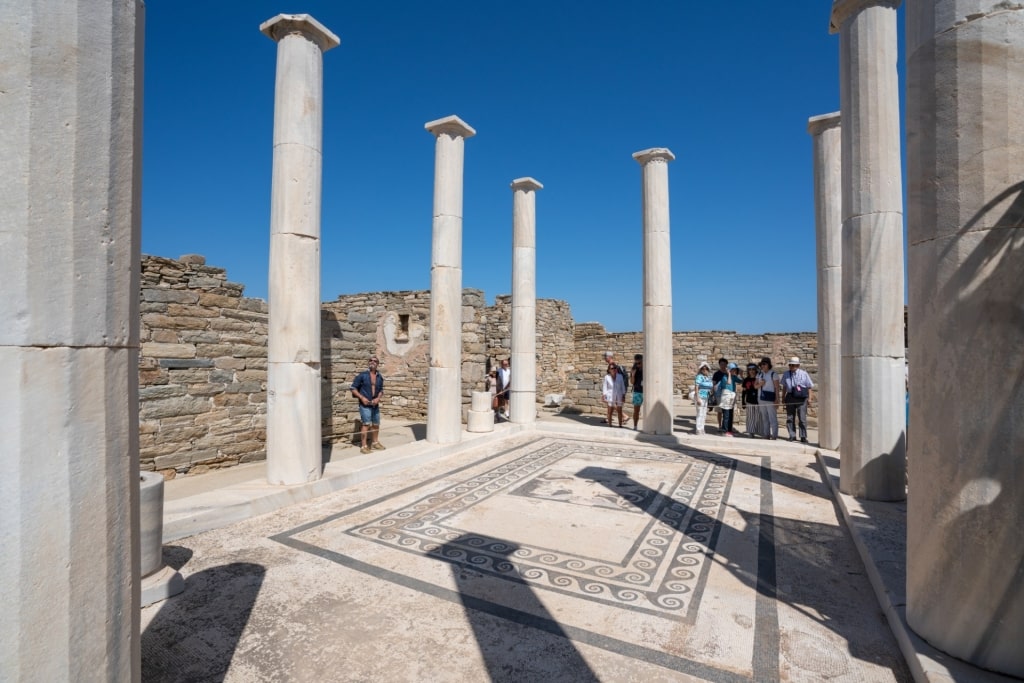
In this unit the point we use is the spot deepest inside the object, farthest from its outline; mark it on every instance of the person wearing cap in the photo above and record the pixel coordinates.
(702, 394)
(796, 389)
(727, 388)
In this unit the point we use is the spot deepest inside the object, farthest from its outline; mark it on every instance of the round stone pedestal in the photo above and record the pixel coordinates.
(158, 582)
(481, 416)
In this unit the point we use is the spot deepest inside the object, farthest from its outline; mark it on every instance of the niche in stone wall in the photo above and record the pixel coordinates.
(401, 334)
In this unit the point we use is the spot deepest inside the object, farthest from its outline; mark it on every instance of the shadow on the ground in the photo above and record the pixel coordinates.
(194, 635)
(794, 560)
(176, 556)
(514, 637)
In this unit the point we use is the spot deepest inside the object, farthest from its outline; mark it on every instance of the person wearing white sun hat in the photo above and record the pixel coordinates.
(796, 392)
(702, 394)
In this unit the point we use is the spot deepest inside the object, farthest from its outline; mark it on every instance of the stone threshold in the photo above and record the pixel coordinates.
(879, 532)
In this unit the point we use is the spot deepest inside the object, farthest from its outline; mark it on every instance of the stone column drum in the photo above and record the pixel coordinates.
(872, 462)
(294, 451)
(523, 394)
(828, 220)
(657, 409)
(965, 201)
(70, 145)
(444, 391)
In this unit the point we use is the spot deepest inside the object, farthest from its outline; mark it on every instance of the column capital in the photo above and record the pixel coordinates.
(844, 9)
(526, 184)
(451, 125)
(283, 25)
(816, 125)
(662, 154)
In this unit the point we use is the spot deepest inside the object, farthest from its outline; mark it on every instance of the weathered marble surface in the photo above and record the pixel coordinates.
(657, 265)
(523, 394)
(873, 428)
(70, 132)
(828, 203)
(444, 402)
(965, 199)
(293, 368)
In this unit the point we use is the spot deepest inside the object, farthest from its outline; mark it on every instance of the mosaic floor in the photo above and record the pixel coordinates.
(558, 559)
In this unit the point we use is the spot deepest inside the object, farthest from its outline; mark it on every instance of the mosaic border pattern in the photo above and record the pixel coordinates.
(661, 574)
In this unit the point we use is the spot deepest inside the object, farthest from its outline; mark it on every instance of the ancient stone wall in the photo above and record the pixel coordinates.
(395, 326)
(592, 340)
(554, 342)
(202, 369)
(203, 361)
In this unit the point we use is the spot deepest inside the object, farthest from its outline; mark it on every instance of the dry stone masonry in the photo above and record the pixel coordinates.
(202, 370)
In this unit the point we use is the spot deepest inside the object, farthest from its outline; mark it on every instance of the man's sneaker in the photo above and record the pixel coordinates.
(729, 434)
(803, 440)
(792, 438)
(377, 446)
(364, 450)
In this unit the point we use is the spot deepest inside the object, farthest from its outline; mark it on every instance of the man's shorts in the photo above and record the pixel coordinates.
(638, 398)
(369, 414)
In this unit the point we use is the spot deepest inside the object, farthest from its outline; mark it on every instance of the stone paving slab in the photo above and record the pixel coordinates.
(880, 533)
(541, 556)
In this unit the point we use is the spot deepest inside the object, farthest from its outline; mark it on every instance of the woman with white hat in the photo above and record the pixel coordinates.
(702, 394)
(796, 390)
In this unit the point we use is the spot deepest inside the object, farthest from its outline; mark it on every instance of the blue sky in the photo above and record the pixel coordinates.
(563, 92)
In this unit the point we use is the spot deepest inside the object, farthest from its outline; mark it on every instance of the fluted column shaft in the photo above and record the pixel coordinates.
(657, 263)
(444, 392)
(873, 456)
(294, 451)
(965, 200)
(523, 394)
(70, 145)
(828, 208)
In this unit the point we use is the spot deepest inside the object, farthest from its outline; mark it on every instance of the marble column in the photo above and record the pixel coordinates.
(70, 159)
(657, 409)
(828, 220)
(872, 461)
(523, 395)
(965, 210)
(294, 451)
(444, 392)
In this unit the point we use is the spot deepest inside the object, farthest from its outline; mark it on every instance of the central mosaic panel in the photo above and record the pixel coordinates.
(633, 527)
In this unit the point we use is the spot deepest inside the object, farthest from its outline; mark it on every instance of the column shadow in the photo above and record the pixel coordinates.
(194, 635)
(519, 639)
(797, 563)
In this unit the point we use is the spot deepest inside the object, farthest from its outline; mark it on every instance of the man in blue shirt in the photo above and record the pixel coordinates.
(796, 391)
(368, 389)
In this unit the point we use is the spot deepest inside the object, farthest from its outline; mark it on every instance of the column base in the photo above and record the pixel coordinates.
(160, 585)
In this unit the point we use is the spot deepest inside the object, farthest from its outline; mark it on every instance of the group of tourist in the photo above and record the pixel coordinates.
(617, 382)
(759, 392)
